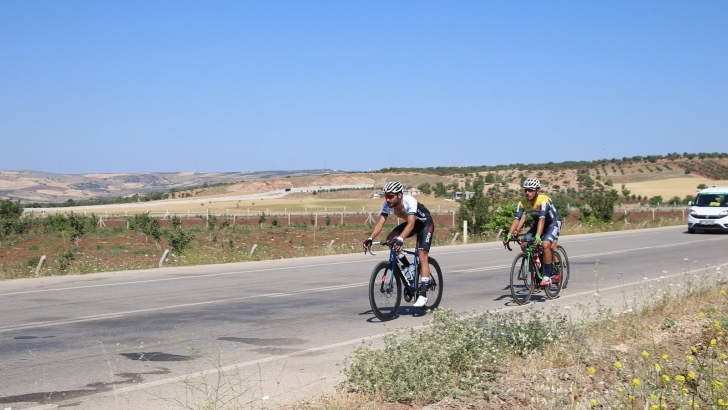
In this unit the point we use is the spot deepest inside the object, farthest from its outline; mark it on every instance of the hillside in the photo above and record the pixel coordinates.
(670, 176)
(36, 186)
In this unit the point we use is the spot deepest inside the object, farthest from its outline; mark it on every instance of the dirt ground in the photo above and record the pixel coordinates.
(114, 247)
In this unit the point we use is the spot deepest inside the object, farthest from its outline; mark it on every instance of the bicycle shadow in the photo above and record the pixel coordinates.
(402, 311)
(536, 297)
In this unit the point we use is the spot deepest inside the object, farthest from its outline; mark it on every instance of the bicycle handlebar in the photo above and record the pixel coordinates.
(383, 243)
(517, 240)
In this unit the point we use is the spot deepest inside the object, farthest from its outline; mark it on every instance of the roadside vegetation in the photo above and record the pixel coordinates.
(80, 244)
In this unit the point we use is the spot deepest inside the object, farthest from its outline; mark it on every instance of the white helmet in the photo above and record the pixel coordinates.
(394, 187)
(532, 183)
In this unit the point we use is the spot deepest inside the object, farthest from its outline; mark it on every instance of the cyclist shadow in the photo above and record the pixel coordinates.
(402, 311)
(536, 297)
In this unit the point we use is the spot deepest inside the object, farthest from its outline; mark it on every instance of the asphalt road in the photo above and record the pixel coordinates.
(124, 340)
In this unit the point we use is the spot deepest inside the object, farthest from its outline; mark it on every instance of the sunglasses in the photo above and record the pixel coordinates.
(390, 196)
(529, 190)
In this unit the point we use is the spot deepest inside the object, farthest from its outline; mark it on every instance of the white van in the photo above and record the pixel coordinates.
(710, 210)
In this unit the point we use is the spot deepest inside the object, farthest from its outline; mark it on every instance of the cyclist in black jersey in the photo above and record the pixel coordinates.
(546, 222)
(418, 221)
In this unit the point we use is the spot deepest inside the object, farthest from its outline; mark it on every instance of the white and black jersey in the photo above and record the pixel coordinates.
(411, 207)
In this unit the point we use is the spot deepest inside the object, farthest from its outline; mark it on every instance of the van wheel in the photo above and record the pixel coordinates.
(691, 230)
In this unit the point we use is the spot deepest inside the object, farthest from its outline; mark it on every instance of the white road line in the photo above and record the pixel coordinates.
(591, 255)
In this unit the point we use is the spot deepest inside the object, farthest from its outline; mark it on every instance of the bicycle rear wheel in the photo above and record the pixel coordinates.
(385, 292)
(521, 280)
(557, 277)
(434, 290)
(565, 264)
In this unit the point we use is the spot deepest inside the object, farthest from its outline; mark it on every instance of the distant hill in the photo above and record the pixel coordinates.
(35, 186)
(667, 175)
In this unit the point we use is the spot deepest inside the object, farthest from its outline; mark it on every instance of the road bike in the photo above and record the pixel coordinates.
(527, 272)
(385, 284)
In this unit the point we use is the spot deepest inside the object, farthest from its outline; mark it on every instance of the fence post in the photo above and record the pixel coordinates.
(653, 214)
(164, 257)
(331, 244)
(40, 265)
(465, 232)
(454, 238)
(255, 246)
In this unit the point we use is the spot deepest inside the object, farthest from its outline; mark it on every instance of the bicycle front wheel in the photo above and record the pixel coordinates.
(385, 291)
(565, 264)
(557, 277)
(521, 280)
(434, 290)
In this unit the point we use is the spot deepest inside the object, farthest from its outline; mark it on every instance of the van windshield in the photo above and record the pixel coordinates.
(712, 200)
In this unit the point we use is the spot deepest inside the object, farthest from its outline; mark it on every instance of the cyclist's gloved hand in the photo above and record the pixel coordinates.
(399, 241)
(508, 238)
(368, 242)
(537, 239)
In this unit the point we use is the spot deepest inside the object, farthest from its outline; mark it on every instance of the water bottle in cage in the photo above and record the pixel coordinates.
(408, 272)
(537, 259)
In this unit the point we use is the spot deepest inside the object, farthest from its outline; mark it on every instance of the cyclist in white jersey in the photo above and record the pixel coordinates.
(418, 221)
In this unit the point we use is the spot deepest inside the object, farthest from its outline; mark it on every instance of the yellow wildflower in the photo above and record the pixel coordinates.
(723, 356)
(722, 292)
(665, 357)
(716, 325)
(619, 389)
(592, 370)
(654, 407)
(684, 391)
(717, 384)
(693, 349)
(712, 342)
(645, 354)
(702, 314)
(691, 375)
(593, 402)
(680, 378)
(657, 367)
(618, 365)
(666, 378)
(689, 359)
(653, 397)
(635, 382)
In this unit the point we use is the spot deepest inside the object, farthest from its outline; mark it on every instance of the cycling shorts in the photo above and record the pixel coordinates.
(550, 234)
(424, 231)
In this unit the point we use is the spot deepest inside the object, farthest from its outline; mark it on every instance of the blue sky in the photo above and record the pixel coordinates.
(89, 86)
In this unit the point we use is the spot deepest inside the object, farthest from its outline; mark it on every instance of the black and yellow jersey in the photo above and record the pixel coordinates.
(543, 207)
